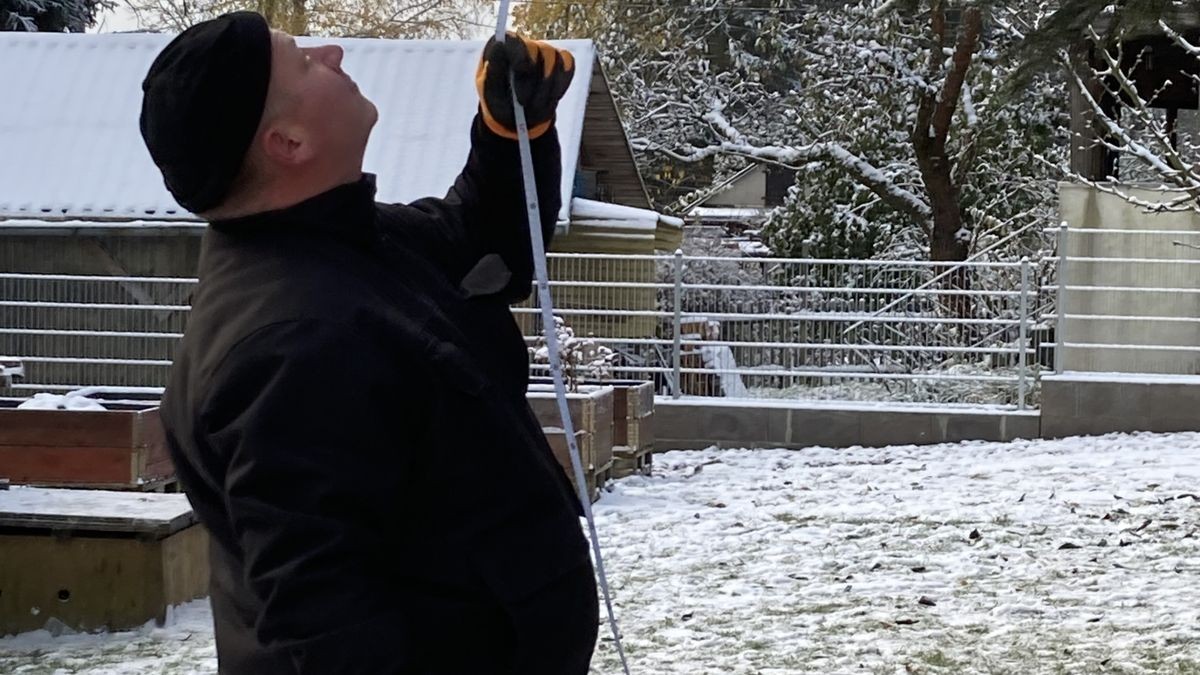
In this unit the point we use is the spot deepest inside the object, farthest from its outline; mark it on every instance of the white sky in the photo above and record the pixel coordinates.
(115, 21)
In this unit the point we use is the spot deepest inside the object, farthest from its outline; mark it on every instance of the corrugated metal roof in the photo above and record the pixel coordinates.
(70, 146)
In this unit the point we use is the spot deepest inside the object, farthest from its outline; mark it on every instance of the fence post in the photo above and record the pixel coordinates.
(1023, 339)
(678, 321)
(1060, 306)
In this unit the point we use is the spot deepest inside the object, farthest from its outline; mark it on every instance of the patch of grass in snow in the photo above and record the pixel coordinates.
(758, 645)
(938, 659)
(791, 518)
(822, 608)
(1165, 662)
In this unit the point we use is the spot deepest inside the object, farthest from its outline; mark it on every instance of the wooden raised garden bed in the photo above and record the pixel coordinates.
(119, 449)
(633, 420)
(558, 443)
(633, 428)
(591, 413)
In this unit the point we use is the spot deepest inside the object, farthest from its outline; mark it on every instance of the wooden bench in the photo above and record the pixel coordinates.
(94, 559)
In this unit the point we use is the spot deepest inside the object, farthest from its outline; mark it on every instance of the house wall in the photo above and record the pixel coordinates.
(692, 423)
(749, 190)
(158, 253)
(1106, 226)
(1081, 404)
(604, 148)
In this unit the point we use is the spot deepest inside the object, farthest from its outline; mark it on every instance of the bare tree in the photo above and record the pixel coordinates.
(334, 18)
(903, 113)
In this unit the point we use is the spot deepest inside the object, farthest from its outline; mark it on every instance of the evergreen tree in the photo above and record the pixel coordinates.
(53, 16)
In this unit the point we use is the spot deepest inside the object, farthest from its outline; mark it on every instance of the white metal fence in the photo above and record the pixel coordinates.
(833, 329)
(72, 331)
(710, 326)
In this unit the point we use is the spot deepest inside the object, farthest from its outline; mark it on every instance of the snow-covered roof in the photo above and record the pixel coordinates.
(600, 226)
(727, 213)
(602, 214)
(70, 146)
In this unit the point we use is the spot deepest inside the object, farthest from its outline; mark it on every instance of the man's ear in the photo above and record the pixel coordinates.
(286, 145)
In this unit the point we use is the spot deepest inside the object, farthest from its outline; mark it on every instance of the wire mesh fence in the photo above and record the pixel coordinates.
(861, 330)
(800, 328)
(75, 331)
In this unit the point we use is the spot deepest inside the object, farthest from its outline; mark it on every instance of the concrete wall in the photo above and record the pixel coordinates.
(1079, 404)
(1093, 215)
(692, 423)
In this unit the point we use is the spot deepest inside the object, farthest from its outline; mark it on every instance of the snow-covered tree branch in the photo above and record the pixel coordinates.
(1133, 125)
(834, 91)
(580, 358)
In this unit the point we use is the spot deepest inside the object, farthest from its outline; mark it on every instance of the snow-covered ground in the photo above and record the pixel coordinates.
(1076, 556)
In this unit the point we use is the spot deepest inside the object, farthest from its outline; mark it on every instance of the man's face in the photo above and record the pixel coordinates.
(310, 90)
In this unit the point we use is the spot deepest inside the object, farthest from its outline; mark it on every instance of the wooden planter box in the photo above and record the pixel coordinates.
(587, 455)
(633, 422)
(591, 410)
(636, 459)
(119, 449)
(96, 560)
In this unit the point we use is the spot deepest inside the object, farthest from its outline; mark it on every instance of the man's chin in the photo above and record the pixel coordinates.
(372, 113)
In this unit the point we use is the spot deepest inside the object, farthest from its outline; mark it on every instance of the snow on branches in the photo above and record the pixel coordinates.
(895, 116)
(1150, 148)
(581, 358)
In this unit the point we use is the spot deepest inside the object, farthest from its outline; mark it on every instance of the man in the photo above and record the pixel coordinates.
(347, 409)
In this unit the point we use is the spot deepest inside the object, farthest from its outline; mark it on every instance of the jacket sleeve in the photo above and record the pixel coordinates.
(485, 210)
(308, 418)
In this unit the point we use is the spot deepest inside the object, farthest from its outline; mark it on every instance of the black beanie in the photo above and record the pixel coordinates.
(202, 104)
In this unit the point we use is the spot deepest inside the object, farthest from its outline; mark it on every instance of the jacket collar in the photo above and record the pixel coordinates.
(346, 211)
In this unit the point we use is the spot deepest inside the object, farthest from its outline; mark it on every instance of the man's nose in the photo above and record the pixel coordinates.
(331, 55)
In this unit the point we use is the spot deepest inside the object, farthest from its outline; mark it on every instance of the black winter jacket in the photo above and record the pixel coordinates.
(347, 414)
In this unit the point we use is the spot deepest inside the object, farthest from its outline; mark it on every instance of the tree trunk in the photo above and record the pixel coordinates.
(290, 16)
(299, 18)
(948, 238)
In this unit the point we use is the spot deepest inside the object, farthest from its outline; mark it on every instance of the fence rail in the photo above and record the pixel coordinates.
(697, 326)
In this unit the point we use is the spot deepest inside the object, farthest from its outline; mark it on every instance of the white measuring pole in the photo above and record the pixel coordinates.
(543, 287)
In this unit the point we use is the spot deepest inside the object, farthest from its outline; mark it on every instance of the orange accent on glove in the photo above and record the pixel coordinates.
(541, 74)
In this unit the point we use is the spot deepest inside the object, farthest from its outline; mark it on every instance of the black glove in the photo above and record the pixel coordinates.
(541, 74)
